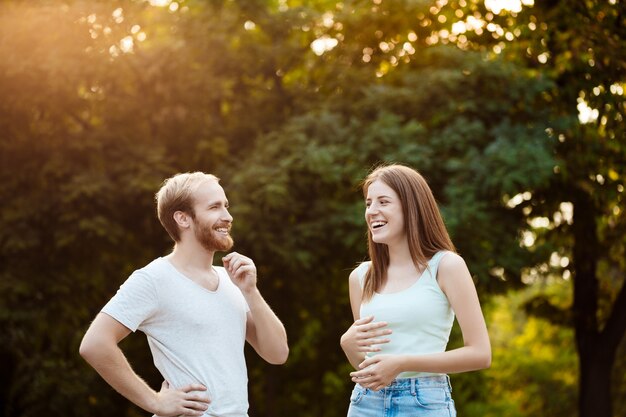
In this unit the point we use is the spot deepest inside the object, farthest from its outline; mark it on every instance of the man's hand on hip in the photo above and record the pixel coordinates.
(181, 402)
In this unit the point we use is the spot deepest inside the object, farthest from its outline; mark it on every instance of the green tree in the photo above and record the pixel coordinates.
(578, 46)
(592, 157)
(535, 371)
(291, 102)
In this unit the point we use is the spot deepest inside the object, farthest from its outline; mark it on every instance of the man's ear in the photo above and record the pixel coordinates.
(182, 219)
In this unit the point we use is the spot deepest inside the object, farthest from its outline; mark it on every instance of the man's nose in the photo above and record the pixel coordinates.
(227, 216)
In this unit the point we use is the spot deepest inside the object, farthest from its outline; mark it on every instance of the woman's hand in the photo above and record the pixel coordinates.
(364, 335)
(377, 372)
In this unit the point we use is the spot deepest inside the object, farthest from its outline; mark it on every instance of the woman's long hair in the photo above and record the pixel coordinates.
(425, 231)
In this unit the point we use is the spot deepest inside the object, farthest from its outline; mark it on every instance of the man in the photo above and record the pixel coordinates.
(196, 317)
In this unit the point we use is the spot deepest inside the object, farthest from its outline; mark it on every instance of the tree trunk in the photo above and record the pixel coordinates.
(596, 347)
(595, 384)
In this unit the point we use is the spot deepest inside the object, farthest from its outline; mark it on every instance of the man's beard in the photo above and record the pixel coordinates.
(211, 239)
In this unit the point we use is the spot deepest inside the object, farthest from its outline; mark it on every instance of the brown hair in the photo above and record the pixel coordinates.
(176, 194)
(426, 232)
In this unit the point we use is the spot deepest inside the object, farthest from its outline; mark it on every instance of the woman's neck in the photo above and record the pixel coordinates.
(399, 254)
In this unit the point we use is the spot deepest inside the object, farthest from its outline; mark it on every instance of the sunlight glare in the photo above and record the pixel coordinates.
(514, 6)
(585, 113)
(528, 238)
(118, 15)
(517, 199)
(539, 222)
(328, 20)
(323, 44)
(114, 51)
(459, 27)
(566, 211)
(127, 44)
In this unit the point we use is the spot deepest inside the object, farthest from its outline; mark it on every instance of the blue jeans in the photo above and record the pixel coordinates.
(428, 396)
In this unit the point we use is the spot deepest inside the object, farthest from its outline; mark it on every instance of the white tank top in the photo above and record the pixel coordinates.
(420, 316)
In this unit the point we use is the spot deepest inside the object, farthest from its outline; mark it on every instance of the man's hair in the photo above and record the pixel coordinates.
(177, 194)
(425, 230)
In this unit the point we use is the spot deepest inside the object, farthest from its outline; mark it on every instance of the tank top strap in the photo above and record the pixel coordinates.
(361, 270)
(433, 263)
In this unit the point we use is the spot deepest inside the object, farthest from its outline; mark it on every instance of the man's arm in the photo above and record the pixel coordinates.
(264, 331)
(100, 349)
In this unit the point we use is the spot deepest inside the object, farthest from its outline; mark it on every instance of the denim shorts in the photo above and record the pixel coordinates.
(428, 396)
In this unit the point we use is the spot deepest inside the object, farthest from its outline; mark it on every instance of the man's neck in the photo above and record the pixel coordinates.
(191, 255)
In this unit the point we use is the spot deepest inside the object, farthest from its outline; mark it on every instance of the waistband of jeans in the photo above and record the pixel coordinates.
(420, 382)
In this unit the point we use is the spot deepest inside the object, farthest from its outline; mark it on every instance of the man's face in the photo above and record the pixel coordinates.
(212, 220)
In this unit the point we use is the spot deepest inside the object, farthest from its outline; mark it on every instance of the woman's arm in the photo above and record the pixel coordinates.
(364, 334)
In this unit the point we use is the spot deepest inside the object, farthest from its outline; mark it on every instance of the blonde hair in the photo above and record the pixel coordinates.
(177, 194)
(425, 230)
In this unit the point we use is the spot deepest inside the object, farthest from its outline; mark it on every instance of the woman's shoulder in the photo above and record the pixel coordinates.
(450, 260)
(452, 267)
(358, 273)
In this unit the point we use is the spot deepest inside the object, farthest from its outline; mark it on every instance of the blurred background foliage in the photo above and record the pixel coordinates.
(513, 111)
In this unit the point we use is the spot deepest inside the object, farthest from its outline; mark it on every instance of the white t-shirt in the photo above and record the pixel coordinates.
(195, 335)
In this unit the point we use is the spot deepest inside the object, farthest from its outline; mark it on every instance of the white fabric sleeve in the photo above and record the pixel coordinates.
(135, 301)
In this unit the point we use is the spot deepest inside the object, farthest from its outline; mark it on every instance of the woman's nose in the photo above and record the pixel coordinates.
(371, 209)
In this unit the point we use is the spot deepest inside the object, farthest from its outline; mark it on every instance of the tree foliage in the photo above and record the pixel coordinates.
(291, 103)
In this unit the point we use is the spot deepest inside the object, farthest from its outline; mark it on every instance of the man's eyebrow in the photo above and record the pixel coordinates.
(214, 202)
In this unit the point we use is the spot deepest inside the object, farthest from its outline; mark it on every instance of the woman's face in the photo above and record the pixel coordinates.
(383, 214)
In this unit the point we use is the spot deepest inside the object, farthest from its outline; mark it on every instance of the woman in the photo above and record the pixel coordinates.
(404, 302)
